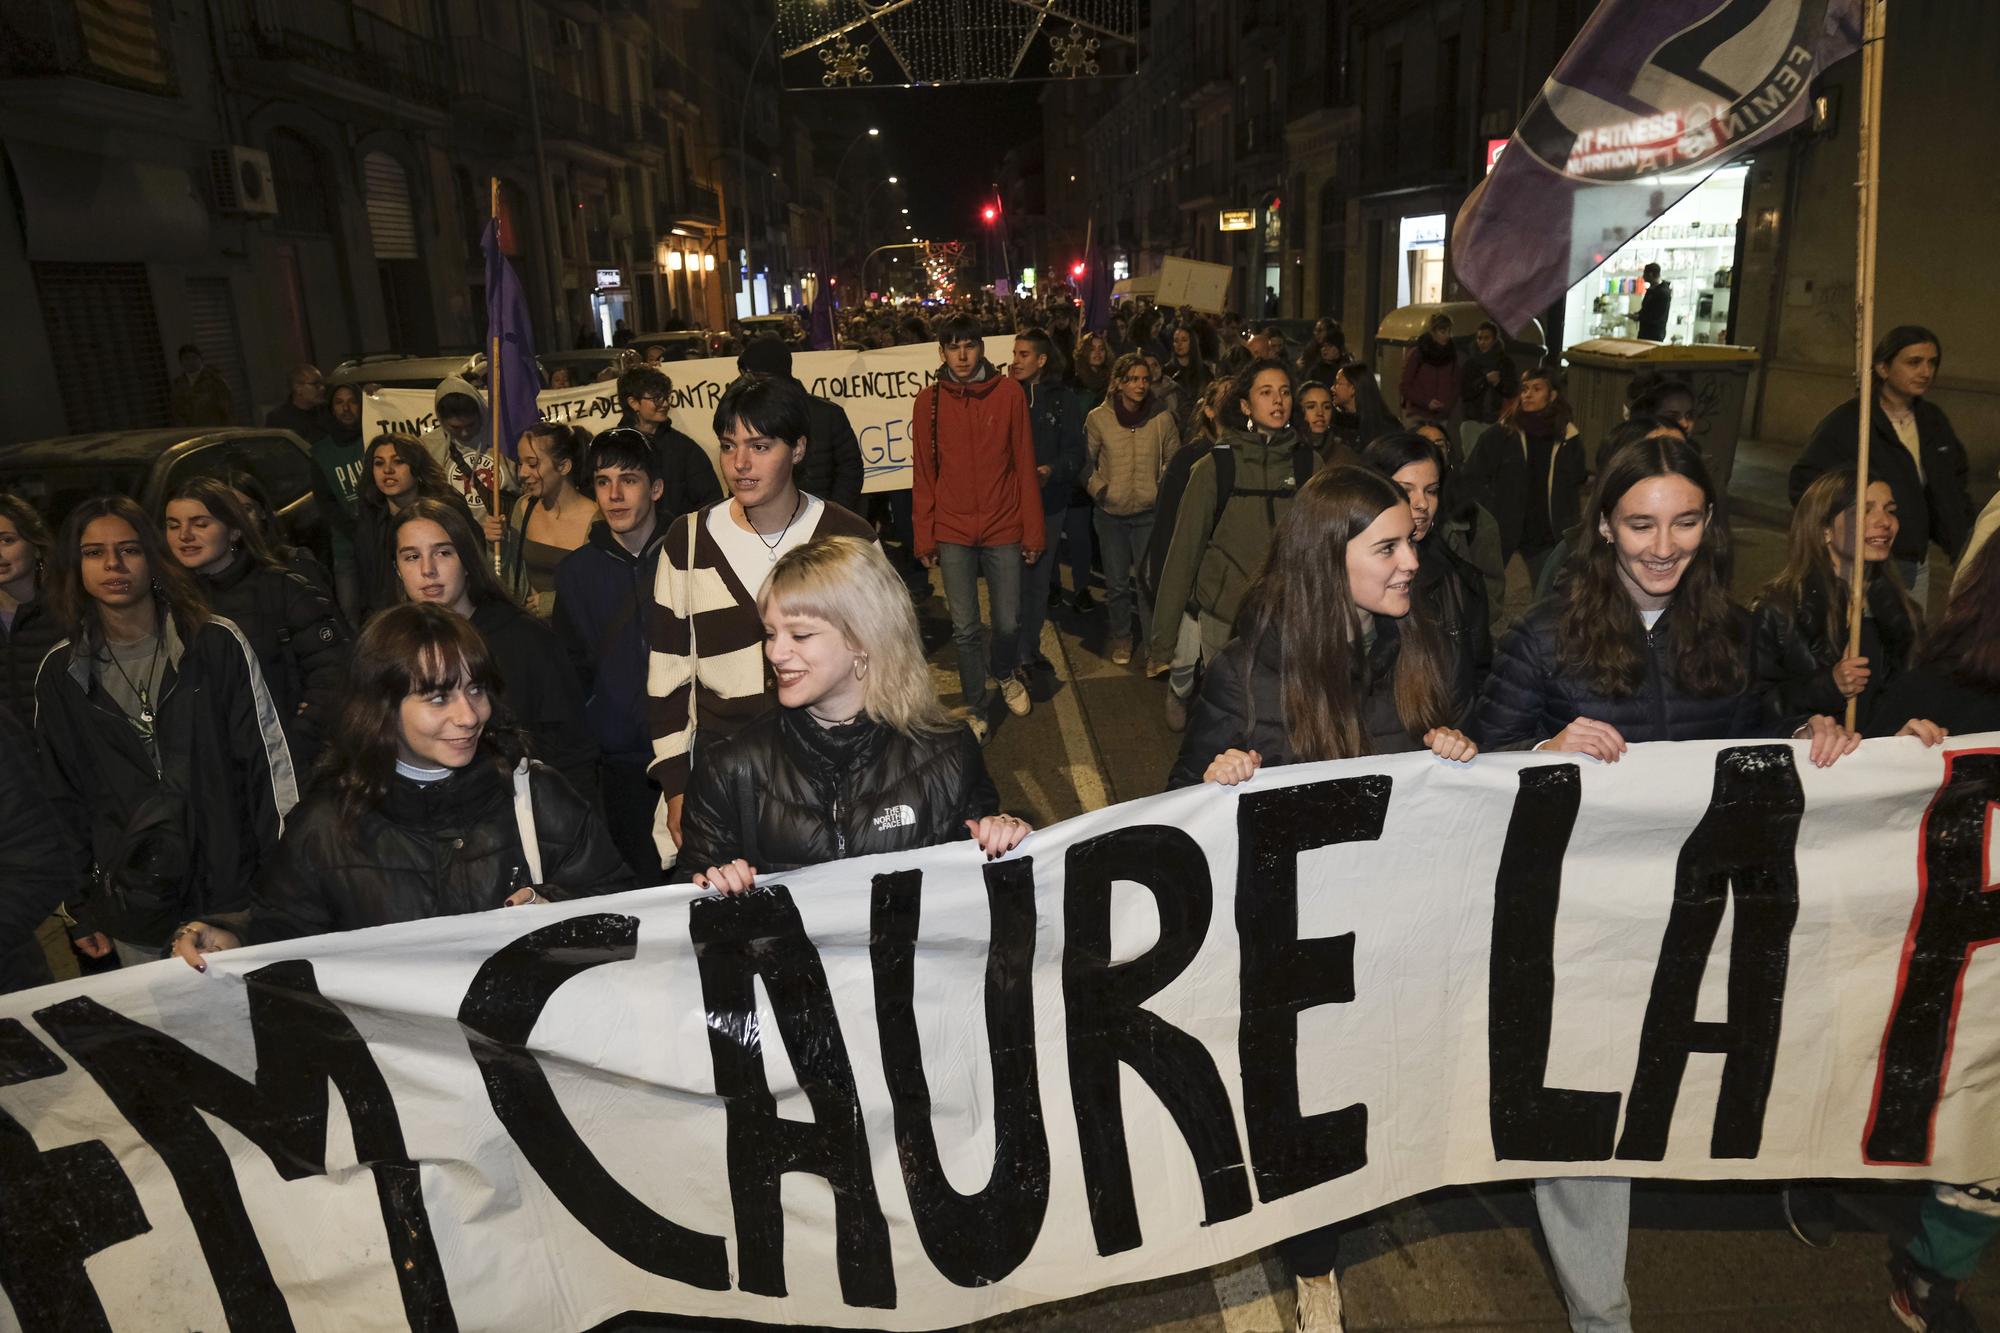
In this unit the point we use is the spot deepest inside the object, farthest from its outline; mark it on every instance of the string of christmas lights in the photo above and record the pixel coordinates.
(854, 43)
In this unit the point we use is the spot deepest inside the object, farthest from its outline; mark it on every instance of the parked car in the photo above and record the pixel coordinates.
(56, 475)
(587, 364)
(395, 370)
(682, 345)
(785, 326)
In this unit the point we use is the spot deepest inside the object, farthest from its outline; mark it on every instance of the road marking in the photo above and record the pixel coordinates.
(1083, 773)
(1243, 1291)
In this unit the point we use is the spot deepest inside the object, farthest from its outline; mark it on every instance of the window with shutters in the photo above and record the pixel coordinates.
(98, 316)
(392, 223)
(211, 312)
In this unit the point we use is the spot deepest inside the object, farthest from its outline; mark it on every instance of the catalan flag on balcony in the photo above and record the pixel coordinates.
(513, 377)
(1651, 97)
(122, 38)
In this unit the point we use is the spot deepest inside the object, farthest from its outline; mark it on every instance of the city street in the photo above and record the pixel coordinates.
(1713, 1258)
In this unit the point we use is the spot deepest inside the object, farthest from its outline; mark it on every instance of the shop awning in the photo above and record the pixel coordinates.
(86, 208)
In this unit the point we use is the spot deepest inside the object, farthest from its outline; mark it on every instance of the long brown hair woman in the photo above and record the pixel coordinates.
(1336, 658)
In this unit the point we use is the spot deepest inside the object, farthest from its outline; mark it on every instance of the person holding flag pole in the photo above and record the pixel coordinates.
(513, 379)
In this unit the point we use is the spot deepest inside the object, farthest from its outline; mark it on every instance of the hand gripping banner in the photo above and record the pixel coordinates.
(909, 1092)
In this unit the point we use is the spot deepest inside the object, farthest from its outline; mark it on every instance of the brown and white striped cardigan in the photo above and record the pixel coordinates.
(705, 643)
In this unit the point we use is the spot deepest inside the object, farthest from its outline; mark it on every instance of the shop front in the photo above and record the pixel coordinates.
(1694, 243)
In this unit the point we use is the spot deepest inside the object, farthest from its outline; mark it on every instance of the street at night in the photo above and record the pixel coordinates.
(1228, 666)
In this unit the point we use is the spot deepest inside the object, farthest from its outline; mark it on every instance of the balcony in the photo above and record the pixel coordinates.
(673, 76)
(488, 75)
(338, 38)
(700, 206)
(42, 38)
(567, 116)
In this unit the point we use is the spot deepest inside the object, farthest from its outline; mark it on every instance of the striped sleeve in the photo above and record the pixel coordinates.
(701, 640)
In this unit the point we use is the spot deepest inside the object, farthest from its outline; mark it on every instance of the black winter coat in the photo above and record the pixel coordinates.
(1933, 507)
(36, 856)
(784, 792)
(301, 640)
(437, 849)
(227, 773)
(541, 690)
(1498, 477)
(1927, 692)
(832, 469)
(22, 648)
(1529, 698)
(1241, 706)
(1454, 594)
(1793, 659)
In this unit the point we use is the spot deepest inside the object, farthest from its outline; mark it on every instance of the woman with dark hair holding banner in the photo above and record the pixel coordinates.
(1337, 657)
(1640, 643)
(419, 811)
(858, 757)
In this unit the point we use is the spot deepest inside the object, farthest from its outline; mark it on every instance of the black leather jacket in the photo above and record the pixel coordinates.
(440, 849)
(784, 792)
(1529, 697)
(301, 640)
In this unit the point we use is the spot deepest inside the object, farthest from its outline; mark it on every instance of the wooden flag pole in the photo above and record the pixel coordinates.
(493, 390)
(1874, 32)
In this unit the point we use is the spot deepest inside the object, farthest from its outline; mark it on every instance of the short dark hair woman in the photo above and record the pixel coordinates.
(396, 471)
(1359, 413)
(161, 747)
(1800, 656)
(29, 626)
(414, 815)
(858, 757)
(439, 559)
(1911, 444)
(301, 640)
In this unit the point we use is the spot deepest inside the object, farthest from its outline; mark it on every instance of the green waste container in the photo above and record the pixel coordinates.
(1601, 368)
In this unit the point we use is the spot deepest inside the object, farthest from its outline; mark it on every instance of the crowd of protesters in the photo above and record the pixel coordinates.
(707, 670)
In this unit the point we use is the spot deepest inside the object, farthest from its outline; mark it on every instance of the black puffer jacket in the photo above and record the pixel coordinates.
(1241, 706)
(436, 849)
(227, 787)
(541, 690)
(832, 469)
(1793, 658)
(1529, 698)
(1933, 506)
(1454, 594)
(301, 640)
(22, 648)
(36, 857)
(785, 792)
(1498, 476)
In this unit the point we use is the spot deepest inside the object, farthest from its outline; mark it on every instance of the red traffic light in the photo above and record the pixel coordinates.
(990, 213)
(1076, 269)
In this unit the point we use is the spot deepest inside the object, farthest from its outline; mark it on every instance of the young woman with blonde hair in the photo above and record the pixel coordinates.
(859, 757)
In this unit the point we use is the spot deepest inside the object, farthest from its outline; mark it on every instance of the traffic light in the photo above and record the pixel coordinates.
(990, 213)
(1076, 269)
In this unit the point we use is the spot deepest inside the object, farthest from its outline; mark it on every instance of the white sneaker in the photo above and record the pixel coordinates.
(1015, 695)
(1319, 1305)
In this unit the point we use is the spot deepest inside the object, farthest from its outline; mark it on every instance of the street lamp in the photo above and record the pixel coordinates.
(833, 201)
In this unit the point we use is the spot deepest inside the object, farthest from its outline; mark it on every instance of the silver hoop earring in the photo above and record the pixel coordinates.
(861, 666)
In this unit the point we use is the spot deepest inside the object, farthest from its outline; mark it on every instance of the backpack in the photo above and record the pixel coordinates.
(1303, 463)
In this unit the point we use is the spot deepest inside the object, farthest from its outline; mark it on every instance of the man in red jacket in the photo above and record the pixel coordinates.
(976, 505)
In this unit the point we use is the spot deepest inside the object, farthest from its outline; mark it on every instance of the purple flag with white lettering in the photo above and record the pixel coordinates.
(1651, 97)
(516, 373)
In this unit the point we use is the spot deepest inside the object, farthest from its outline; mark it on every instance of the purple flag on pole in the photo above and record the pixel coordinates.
(515, 373)
(820, 335)
(1651, 97)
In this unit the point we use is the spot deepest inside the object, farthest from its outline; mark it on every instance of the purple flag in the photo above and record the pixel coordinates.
(1651, 97)
(514, 372)
(820, 335)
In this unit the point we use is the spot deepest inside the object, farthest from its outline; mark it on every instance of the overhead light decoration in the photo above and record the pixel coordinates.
(930, 42)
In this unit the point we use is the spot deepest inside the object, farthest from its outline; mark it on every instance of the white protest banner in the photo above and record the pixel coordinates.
(877, 390)
(912, 1091)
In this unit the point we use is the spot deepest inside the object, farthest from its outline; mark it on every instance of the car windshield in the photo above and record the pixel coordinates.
(57, 490)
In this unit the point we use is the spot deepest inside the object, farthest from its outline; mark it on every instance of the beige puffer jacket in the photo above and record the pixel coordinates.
(1126, 461)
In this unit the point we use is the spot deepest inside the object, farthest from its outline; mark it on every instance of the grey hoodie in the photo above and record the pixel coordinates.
(469, 466)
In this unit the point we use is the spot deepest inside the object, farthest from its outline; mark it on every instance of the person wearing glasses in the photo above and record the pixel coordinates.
(689, 478)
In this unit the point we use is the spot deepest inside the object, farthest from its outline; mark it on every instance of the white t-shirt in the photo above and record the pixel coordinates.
(1906, 433)
(752, 556)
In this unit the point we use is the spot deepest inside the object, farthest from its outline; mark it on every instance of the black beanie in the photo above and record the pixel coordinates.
(766, 355)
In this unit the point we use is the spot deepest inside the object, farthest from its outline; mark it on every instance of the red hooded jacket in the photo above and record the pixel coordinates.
(973, 477)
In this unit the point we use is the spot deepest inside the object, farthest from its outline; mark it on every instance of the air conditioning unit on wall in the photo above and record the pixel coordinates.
(241, 179)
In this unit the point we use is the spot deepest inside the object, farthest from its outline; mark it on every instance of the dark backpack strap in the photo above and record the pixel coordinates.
(936, 394)
(1225, 482)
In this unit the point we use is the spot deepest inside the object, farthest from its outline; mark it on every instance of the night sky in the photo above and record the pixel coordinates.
(943, 143)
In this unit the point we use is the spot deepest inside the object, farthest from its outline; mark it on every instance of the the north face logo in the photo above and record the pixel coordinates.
(894, 816)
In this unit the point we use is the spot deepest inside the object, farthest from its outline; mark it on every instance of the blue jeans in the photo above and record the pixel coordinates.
(963, 566)
(1076, 544)
(1035, 585)
(1123, 539)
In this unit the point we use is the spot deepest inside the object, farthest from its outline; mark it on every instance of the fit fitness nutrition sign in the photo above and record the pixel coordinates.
(912, 1091)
